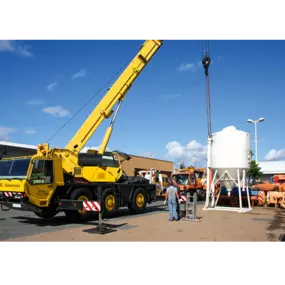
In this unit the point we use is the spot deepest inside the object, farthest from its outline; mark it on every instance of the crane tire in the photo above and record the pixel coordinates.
(80, 216)
(47, 214)
(138, 202)
(108, 202)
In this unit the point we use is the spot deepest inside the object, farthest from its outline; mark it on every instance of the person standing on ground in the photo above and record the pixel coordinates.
(172, 198)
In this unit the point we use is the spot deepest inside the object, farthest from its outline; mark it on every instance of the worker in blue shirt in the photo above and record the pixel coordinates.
(172, 197)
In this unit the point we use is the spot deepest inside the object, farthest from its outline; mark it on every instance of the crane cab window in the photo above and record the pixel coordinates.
(110, 160)
(42, 172)
(181, 179)
(165, 180)
(157, 176)
(14, 168)
(198, 175)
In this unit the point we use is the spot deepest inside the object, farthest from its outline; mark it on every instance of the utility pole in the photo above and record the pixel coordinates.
(255, 132)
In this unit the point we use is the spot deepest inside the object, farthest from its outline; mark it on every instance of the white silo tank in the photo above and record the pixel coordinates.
(230, 151)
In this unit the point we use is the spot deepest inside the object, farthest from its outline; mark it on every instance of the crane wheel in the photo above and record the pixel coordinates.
(139, 201)
(47, 214)
(83, 215)
(109, 202)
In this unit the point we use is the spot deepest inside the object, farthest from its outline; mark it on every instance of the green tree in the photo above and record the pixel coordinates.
(254, 172)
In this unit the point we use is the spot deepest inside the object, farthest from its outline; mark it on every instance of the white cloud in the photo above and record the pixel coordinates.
(23, 50)
(191, 66)
(56, 111)
(274, 154)
(93, 147)
(51, 86)
(199, 63)
(30, 132)
(193, 153)
(171, 96)
(87, 147)
(12, 46)
(35, 102)
(6, 46)
(81, 73)
(187, 66)
(4, 133)
(148, 154)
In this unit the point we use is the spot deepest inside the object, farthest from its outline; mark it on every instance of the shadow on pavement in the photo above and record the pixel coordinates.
(112, 226)
(63, 220)
(107, 228)
(277, 223)
(126, 213)
(56, 221)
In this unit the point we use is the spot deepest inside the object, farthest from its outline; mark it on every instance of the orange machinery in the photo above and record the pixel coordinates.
(271, 193)
(190, 178)
(278, 184)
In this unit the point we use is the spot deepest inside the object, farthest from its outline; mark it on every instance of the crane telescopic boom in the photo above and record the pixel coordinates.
(115, 95)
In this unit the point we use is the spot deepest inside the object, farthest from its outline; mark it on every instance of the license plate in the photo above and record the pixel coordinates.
(17, 206)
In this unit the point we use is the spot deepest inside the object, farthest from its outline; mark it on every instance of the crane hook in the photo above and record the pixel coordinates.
(206, 63)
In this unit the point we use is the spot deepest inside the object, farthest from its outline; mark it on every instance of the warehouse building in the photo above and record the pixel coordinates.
(131, 167)
(271, 168)
(9, 149)
(137, 163)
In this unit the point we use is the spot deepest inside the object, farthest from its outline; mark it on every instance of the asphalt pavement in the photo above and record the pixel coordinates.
(16, 223)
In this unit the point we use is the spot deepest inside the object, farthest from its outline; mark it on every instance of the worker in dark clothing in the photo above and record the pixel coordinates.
(206, 63)
(178, 201)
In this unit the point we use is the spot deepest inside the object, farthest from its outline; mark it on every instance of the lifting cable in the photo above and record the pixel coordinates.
(205, 45)
(104, 87)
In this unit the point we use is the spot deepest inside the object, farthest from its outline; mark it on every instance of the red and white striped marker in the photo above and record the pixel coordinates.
(11, 194)
(92, 206)
(260, 196)
(183, 198)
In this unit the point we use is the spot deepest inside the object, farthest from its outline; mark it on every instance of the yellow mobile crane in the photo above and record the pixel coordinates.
(55, 180)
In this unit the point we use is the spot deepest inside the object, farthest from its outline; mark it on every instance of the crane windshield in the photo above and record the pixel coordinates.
(181, 179)
(110, 160)
(14, 168)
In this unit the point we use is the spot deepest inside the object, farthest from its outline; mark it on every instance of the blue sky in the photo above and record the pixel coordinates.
(43, 83)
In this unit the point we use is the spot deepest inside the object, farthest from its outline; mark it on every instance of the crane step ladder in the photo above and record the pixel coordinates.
(189, 207)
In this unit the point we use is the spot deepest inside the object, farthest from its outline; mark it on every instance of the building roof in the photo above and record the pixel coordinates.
(151, 158)
(272, 167)
(18, 145)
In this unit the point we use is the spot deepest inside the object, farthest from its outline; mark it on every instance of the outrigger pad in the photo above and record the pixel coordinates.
(104, 229)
